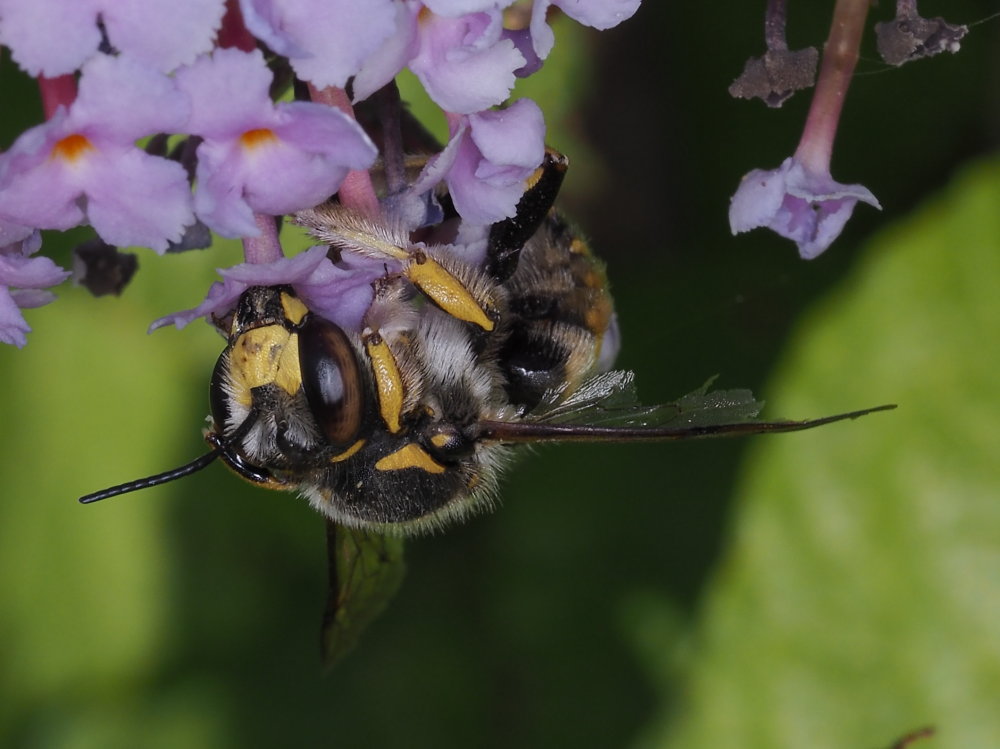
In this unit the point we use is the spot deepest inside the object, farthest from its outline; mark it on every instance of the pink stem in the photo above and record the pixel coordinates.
(356, 191)
(264, 248)
(56, 92)
(840, 55)
(233, 32)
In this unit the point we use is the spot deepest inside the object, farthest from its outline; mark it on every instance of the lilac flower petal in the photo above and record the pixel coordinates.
(13, 327)
(138, 199)
(164, 34)
(25, 272)
(391, 56)
(438, 166)
(29, 276)
(263, 19)
(514, 136)
(542, 36)
(758, 199)
(326, 40)
(219, 200)
(221, 298)
(599, 14)
(455, 8)
(525, 45)
(126, 100)
(229, 92)
(326, 132)
(38, 191)
(31, 298)
(11, 232)
(809, 208)
(298, 164)
(495, 156)
(54, 37)
(341, 38)
(134, 197)
(480, 201)
(49, 37)
(464, 63)
(342, 293)
(290, 270)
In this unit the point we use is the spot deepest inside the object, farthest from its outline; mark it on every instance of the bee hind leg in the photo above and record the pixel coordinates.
(507, 237)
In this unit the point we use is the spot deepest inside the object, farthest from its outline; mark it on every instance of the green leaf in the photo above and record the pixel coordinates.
(859, 598)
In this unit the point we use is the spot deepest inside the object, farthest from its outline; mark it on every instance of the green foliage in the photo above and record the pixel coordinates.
(859, 598)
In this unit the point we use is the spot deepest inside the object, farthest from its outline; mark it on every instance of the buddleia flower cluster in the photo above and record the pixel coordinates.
(166, 120)
(800, 199)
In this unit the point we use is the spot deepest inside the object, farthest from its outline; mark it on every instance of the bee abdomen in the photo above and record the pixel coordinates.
(558, 311)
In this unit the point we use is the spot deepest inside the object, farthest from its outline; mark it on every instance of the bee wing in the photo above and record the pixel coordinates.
(365, 571)
(607, 409)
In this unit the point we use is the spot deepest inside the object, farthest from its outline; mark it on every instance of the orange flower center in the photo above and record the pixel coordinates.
(72, 148)
(258, 137)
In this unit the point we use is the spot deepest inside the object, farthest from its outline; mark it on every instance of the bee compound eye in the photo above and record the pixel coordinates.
(331, 380)
(217, 398)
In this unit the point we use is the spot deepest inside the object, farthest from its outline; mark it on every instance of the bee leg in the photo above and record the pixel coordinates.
(507, 237)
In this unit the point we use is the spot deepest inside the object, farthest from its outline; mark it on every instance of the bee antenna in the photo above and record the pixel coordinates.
(161, 478)
(220, 446)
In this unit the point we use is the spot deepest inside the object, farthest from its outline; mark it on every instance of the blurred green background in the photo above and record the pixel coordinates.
(836, 588)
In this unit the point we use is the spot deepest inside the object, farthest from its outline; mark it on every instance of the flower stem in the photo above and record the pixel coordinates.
(840, 55)
(264, 248)
(357, 190)
(56, 92)
(774, 25)
(389, 108)
(233, 32)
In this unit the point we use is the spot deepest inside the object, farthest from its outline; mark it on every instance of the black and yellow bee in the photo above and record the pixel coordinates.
(405, 425)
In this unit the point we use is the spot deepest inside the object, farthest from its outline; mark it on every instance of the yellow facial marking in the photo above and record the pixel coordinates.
(447, 291)
(387, 381)
(293, 308)
(409, 456)
(263, 356)
(440, 440)
(348, 452)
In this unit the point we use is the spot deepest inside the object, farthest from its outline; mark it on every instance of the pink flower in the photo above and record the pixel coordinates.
(83, 165)
(258, 156)
(23, 280)
(54, 37)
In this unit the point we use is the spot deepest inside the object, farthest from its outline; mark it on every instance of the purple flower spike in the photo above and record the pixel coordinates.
(800, 200)
(23, 280)
(258, 156)
(807, 207)
(84, 164)
(55, 37)
(326, 41)
(466, 64)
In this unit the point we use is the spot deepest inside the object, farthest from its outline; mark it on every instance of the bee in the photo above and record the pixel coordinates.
(405, 425)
